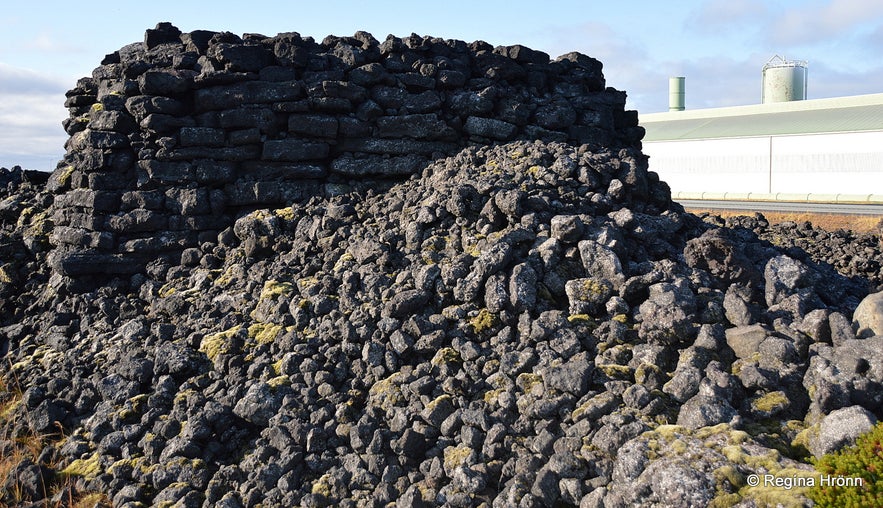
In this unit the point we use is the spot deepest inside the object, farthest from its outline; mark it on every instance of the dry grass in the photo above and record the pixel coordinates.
(826, 221)
(27, 446)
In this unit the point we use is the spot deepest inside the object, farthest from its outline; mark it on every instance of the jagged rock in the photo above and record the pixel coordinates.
(841, 428)
(259, 403)
(844, 375)
(745, 340)
(714, 471)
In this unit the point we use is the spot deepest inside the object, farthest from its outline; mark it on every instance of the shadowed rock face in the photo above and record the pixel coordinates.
(173, 137)
(528, 323)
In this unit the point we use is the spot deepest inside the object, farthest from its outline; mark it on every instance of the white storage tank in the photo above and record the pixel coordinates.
(783, 80)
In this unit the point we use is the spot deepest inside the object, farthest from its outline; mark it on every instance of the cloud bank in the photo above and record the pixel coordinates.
(31, 112)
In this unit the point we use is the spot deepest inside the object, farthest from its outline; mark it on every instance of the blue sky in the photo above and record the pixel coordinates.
(719, 45)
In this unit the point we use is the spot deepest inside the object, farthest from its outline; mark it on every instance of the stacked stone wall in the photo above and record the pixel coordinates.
(172, 138)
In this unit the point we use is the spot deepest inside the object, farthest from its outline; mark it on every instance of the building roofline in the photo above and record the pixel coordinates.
(775, 107)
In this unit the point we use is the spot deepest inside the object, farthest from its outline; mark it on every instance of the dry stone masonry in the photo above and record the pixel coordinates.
(173, 137)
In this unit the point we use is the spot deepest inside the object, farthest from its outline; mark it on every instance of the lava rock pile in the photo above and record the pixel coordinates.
(530, 323)
(525, 324)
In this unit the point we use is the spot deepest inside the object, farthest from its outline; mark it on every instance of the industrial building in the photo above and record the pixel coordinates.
(787, 148)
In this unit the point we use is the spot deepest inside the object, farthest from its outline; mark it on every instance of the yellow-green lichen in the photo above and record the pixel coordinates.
(804, 437)
(614, 371)
(273, 289)
(645, 371)
(387, 392)
(491, 396)
(134, 407)
(286, 213)
(88, 468)
(264, 333)
(770, 402)
(64, 175)
(782, 487)
(182, 396)
(483, 321)
(218, 343)
(445, 356)
(438, 400)
(728, 480)
(279, 381)
(167, 290)
(457, 456)
(322, 486)
(139, 464)
(621, 318)
(603, 399)
(678, 446)
(342, 261)
(528, 381)
(35, 223)
(667, 432)
(307, 282)
(6, 273)
(232, 272)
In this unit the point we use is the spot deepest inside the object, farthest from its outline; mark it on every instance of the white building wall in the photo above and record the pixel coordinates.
(843, 163)
(712, 165)
(819, 164)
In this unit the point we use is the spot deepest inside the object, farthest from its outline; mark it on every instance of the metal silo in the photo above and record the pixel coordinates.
(783, 80)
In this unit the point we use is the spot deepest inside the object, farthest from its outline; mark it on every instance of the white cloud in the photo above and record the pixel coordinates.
(825, 80)
(17, 80)
(627, 64)
(31, 112)
(723, 81)
(45, 42)
(821, 22)
(727, 15)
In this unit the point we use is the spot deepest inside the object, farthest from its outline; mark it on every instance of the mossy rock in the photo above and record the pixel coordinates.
(457, 456)
(264, 333)
(286, 214)
(88, 468)
(445, 356)
(770, 404)
(528, 382)
(7, 274)
(273, 289)
(63, 176)
(279, 381)
(484, 321)
(219, 343)
(387, 393)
